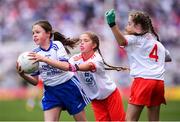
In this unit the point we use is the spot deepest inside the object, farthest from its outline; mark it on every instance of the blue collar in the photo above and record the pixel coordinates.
(51, 43)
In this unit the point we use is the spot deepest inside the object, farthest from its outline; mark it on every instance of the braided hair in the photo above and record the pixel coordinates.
(142, 18)
(95, 39)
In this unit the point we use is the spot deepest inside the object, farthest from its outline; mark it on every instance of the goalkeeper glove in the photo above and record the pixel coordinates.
(110, 17)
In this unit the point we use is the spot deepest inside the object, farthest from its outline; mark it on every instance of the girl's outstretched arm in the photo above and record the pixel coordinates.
(55, 63)
(66, 66)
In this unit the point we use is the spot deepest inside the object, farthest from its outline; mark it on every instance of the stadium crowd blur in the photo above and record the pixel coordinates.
(72, 17)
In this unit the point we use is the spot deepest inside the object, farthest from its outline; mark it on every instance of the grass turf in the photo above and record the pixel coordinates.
(16, 111)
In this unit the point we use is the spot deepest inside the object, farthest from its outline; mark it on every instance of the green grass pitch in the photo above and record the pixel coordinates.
(16, 111)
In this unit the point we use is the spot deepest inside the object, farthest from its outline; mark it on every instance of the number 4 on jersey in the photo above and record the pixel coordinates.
(153, 53)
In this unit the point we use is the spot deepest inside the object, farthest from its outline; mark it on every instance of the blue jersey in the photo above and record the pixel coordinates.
(50, 75)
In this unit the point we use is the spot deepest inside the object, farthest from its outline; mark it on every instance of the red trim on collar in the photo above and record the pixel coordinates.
(85, 59)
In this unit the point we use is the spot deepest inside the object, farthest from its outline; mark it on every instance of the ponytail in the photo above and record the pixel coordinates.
(110, 67)
(152, 30)
(67, 42)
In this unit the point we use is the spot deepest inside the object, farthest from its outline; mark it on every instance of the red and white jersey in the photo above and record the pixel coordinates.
(96, 84)
(146, 56)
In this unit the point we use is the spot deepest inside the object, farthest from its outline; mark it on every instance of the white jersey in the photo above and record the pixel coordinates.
(52, 76)
(146, 56)
(96, 85)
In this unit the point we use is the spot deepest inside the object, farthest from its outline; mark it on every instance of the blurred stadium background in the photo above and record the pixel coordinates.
(72, 17)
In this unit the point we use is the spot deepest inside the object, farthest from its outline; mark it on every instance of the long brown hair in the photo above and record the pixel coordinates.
(67, 42)
(95, 40)
(142, 18)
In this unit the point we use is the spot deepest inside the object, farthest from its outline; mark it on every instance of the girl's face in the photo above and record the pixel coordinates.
(86, 44)
(130, 28)
(39, 35)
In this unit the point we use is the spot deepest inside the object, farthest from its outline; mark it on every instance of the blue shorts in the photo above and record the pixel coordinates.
(69, 96)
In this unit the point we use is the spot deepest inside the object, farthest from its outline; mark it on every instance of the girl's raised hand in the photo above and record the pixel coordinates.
(110, 17)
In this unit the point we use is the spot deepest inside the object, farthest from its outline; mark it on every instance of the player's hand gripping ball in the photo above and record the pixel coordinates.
(27, 65)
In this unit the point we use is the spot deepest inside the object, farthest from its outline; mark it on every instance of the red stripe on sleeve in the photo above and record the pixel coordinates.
(93, 67)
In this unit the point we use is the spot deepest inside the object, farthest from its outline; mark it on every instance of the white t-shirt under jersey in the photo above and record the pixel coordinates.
(97, 85)
(52, 76)
(146, 56)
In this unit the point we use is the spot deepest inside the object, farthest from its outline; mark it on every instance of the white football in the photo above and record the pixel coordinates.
(27, 65)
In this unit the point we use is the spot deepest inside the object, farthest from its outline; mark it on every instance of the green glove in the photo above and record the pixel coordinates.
(110, 17)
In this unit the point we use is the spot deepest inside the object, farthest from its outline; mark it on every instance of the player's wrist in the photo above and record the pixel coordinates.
(77, 67)
(110, 17)
(21, 74)
(112, 24)
(73, 68)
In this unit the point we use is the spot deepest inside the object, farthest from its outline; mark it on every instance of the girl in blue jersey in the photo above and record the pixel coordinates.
(61, 88)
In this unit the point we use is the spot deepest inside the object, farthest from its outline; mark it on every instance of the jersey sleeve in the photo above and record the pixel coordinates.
(97, 64)
(61, 52)
(130, 40)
